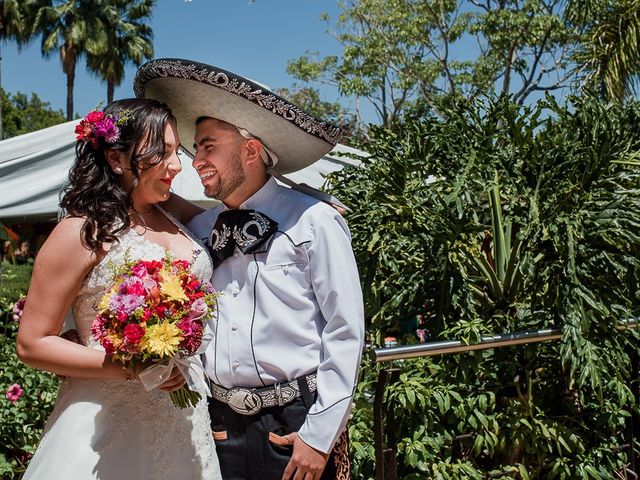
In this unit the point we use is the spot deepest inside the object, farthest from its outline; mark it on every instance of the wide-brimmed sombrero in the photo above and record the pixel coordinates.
(193, 90)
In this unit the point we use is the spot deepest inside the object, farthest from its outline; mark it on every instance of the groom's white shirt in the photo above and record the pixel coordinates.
(292, 310)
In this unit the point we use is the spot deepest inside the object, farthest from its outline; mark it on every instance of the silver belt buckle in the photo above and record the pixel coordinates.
(244, 401)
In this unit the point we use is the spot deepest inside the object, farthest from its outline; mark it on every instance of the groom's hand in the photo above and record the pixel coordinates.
(306, 462)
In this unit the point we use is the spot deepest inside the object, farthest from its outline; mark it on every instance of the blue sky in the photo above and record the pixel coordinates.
(253, 39)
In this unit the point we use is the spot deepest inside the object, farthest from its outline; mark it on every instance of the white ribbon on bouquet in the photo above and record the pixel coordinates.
(191, 369)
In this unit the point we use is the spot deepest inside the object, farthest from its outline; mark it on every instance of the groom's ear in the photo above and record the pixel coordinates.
(253, 147)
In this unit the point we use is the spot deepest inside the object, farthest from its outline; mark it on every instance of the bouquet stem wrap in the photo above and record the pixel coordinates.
(191, 369)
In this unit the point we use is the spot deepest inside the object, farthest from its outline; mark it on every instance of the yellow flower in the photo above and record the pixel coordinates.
(162, 339)
(171, 286)
(106, 299)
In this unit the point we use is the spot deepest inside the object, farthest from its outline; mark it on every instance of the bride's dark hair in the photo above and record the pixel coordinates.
(94, 191)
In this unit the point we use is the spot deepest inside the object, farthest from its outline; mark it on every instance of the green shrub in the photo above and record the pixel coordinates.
(21, 423)
(533, 221)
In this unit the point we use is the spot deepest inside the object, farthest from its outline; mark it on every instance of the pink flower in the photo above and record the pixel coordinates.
(149, 284)
(18, 309)
(133, 286)
(94, 117)
(14, 393)
(422, 334)
(139, 270)
(98, 329)
(107, 344)
(198, 309)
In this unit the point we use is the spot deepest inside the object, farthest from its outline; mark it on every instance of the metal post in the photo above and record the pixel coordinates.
(381, 451)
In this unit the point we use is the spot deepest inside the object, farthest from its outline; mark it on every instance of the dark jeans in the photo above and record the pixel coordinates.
(246, 452)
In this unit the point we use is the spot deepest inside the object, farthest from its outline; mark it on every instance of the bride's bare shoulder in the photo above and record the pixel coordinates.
(66, 241)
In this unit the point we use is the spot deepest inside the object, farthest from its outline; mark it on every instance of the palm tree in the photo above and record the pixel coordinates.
(130, 40)
(12, 27)
(609, 57)
(73, 28)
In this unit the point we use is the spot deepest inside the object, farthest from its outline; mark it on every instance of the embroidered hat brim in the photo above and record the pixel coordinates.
(193, 90)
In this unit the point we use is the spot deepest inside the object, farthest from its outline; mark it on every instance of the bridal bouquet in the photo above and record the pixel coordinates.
(156, 311)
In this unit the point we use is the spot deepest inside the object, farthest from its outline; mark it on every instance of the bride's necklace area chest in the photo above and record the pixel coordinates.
(157, 228)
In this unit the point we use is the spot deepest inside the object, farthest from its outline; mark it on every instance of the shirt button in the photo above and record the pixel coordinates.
(235, 254)
(234, 328)
(236, 365)
(235, 291)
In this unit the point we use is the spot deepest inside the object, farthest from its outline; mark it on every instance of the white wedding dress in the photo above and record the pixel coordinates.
(116, 430)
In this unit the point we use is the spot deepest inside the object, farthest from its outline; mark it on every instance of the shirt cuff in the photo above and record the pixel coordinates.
(321, 430)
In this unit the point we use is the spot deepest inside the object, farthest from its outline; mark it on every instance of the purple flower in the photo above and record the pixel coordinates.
(14, 393)
(107, 129)
(18, 308)
(125, 303)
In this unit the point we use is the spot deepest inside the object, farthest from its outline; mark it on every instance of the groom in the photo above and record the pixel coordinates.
(289, 332)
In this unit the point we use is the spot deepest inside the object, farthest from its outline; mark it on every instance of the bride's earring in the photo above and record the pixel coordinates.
(117, 171)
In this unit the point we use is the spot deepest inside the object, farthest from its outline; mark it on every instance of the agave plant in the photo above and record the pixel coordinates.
(494, 270)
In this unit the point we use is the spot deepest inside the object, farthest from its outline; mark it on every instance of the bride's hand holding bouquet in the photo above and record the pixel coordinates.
(156, 312)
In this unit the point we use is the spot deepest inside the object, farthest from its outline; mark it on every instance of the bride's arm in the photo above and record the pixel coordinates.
(60, 268)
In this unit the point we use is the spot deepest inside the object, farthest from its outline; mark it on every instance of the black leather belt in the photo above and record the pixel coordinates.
(249, 401)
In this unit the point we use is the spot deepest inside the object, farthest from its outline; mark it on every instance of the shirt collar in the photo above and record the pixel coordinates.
(262, 196)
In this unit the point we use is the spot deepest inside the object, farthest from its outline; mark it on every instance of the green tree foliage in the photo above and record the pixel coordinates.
(130, 40)
(404, 55)
(504, 218)
(27, 114)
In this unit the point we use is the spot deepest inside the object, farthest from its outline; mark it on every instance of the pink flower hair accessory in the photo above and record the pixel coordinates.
(96, 125)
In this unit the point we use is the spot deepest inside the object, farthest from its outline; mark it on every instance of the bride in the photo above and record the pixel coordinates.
(105, 425)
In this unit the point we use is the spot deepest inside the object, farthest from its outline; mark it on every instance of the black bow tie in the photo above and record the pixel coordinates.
(248, 229)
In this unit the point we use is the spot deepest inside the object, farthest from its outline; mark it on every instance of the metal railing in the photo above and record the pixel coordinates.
(385, 451)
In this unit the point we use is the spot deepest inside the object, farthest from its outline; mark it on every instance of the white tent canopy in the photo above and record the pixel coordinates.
(35, 166)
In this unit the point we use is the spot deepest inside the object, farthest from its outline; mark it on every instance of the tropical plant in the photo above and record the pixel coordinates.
(504, 218)
(12, 26)
(72, 28)
(608, 59)
(130, 40)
